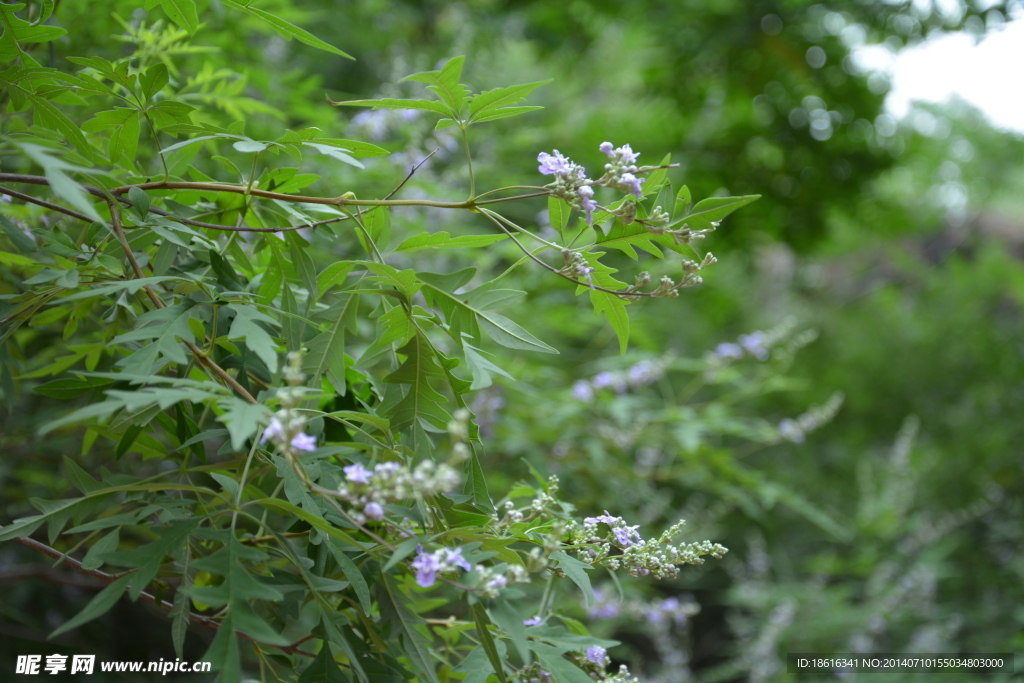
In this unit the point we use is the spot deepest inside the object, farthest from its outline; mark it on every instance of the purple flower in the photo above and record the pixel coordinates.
(630, 179)
(596, 654)
(427, 567)
(582, 391)
(498, 582)
(608, 149)
(606, 518)
(643, 372)
(384, 469)
(454, 557)
(304, 442)
(374, 511)
(790, 431)
(754, 345)
(586, 193)
(274, 430)
(729, 350)
(532, 621)
(627, 154)
(604, 379)
(622, 536)
(357, 474)
(551, 165)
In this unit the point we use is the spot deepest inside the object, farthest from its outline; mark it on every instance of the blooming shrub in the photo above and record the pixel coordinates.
(218, 319)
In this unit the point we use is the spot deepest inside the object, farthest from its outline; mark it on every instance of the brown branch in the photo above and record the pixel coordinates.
(163, 604)
(411, 171)
(52, 207)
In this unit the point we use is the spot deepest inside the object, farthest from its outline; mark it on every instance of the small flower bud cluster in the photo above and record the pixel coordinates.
(817, 416)
(669, 288)
(620, 171)
(490, 580)
(637, 375)
(287, 426)
(594, 662)
(458, 430)
(543, 502)
(576, 266)
(659, 558)
(368, 491)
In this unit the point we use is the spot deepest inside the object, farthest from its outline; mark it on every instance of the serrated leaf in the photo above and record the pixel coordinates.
(445, 84)
(148, 559)
(442, 240)
(613, 307)
(335, 153)
(245, 326)
(324, 669)
(352, 573)
(242, 419)
(97, 607)
(161, 327)
(510, 620)
(492, 100)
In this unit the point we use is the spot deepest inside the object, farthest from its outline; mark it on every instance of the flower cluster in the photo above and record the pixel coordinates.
(639, 374)
(287, 426)
(368, 491)
(817, 416)
(667, 611)
(429, 565)
(572, 185)
(621, 546)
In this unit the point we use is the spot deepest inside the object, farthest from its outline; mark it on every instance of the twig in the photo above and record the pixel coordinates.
(45, 204)
(411, 171)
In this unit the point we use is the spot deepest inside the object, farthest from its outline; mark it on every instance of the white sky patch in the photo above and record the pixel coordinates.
(989, 74)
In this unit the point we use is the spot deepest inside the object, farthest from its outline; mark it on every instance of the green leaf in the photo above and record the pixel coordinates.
(148, 559)
(97, 607)
(245, 326)
(715, 209)
(94, 558)
(326, 352)
(352, 573)
(492, 101)
(18, 238)
(60, 182)
(242, 419)
(442, 240)
(155, 77)
(510, 620)
(421, 402)
(613, 307)
(140, 202)
(577, 573)
(563, 670)
(250, 146)
(504, 113)
(183, 13)
(407, 627)
(239, 587)
(334, 153)
(161, 327)
(445, 84)
(324, 669)
(392, 103)
(487, 641)
(71, 388)
(286, 29)
(223, 652)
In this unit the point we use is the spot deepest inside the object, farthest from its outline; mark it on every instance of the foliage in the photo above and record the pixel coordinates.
(307, 506)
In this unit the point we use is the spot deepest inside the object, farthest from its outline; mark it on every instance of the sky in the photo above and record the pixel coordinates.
(989, 74)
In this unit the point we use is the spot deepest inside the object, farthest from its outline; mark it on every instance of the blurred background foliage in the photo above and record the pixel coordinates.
(896, 243)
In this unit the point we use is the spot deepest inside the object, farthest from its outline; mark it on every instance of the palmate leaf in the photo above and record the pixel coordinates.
(421, 402)
(245, 326)
(239, 587)
(445, 84)
(148, 558)
(613, 307)
(161, 327)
